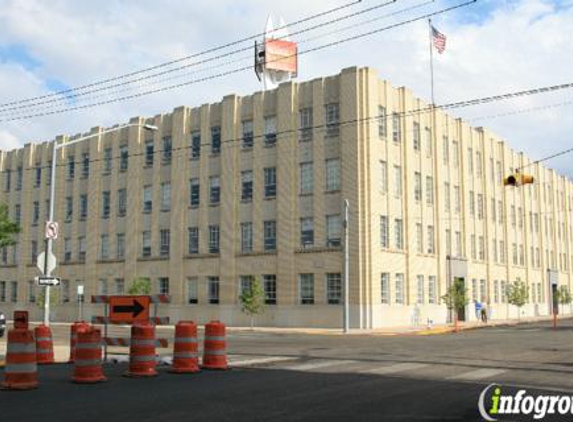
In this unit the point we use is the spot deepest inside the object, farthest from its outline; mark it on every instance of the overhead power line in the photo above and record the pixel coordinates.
(182, 59)
(239, 69)
(74, 94)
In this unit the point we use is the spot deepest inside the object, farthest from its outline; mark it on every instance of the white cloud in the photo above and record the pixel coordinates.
(518, 44)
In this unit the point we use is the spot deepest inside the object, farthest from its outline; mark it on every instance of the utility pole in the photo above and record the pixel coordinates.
(346, 271)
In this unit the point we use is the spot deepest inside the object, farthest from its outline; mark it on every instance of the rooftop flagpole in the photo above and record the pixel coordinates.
(431, 62)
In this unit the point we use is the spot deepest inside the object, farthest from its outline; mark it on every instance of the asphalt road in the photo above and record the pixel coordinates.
(318, 377)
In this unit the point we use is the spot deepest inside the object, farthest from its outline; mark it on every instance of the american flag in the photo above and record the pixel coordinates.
(439, 40)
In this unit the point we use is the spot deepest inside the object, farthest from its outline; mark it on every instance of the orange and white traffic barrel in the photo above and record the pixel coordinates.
(185, 353)
(215, 346)
(142, 359)
(21, 372)
(44, 345)
(74, 328)
(88, 357)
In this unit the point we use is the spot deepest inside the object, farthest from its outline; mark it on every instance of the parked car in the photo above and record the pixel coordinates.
(2, 324)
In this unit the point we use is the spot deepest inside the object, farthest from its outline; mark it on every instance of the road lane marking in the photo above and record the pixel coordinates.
(392, 369)
(478, 374)
(260, 361)
(317, 364)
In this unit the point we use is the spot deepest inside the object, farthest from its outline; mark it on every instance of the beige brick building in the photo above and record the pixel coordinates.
(254, 187)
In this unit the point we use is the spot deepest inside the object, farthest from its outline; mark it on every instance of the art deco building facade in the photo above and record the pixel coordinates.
(254, 187)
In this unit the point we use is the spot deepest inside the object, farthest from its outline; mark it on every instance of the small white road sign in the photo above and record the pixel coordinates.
(51, 262)
(52, 230)
(47, 281)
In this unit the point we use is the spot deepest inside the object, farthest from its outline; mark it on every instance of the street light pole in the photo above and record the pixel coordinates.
(49, 241)
(346, 269)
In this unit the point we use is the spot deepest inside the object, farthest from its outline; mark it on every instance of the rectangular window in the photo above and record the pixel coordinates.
(196, 144)
(82, 248)
(429, 143)
(397, 181)
(482, 290)
(448, 242)
(67, 249)
(473, 246)
(458, 244)
(167, 149)
(246, 237)
(396, 128)
(146, 244)
(164, 239)
(19, 178)
(481, 248)
(121, 246)
(85, 165)
(123, 158)
(192, 290)
(383, 176)
(478, 164)
(382, 121)
(38, 178)
(384, 232)
(399, 289)
(215, 140)
(432, 290)
(246, 185)
(420, 289)
(306, 289)
(333, 230)
(105, 204)
(193, 240)
(121, 202)
(18, 211)
(332, 175)
(119, 286)
(270, 288)
(104, 247)
(455, 153)
(270, 130)
(385, 288)
(213, 239)
(332, 115)
(14, 291)
(69, 210)
(35, 212)
(34, 251)
(333, 289)
(419, 244)
(417, 186)
(215, 189)
(306, 232)
(305, 124)
(107, 160)
(163, 285)
(472, 203)
(457, 202)
(147, 199)
(247, 141)
(31, 291)
(480, 207)
(416, 136)
(270, 176)
(213, 290)
(447, 203)
(270, 235)
(71, 169)
(496, 291)
(429, 190)
(306, 178)
(149, 153)
(470, 161)
(194, 192)
(2, 291)
(166, 196)
(431, 243)
(399, 233)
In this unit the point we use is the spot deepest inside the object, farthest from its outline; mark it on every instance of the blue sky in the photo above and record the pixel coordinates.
(494, 46)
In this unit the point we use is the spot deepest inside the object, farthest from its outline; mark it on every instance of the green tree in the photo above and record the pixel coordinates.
(41, 298)
(563, 295)
(140, 286)
(456, 299)
(8, 228)
(518, 294)
(253, 300)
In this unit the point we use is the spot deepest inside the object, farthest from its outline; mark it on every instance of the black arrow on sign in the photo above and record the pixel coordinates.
(134, 309)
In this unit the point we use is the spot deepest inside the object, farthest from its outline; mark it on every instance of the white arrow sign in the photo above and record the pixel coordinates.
(51, 262)
(47, 281)
(52, 230)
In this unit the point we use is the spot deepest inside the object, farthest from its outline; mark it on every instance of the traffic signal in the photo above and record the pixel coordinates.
(518, 179)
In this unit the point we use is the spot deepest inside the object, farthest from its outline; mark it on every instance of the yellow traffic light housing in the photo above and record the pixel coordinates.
(517, 179)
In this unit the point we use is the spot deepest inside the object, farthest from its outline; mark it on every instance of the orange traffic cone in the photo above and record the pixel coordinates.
(21, 372)
(88, 357)
(142, 360)
(215, 346)
(44, 345)
(74, 328)
(185, 355)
